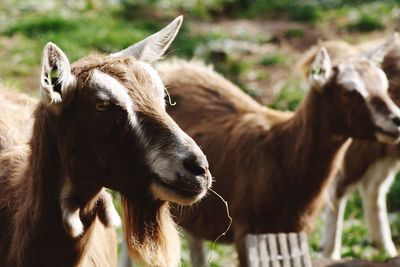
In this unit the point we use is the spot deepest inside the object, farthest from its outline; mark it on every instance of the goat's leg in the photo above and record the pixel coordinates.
(333, 228)
(70, 199)
(197, 250)
(107, 213)
(334, 213)
(374, 190)
(70, 209)
(241, 249)
(70, 217)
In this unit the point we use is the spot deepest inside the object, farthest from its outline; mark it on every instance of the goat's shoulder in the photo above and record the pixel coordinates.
(12, 97)
(16, 117)
(13, 159)
(13, 162)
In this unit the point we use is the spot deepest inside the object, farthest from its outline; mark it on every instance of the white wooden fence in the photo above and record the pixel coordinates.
(278, 250)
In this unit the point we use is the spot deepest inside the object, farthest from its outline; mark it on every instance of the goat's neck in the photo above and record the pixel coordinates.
(38, 230)
(310, 144)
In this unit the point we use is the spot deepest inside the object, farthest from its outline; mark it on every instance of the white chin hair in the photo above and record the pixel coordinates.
(386, 138)
(166, 194)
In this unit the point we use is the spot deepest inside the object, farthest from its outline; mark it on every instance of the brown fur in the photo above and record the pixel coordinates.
(363, 154)
(270, 166)
(23, 214)
(142, 242)
(70, 197)
(15, 129)
(63, 145)
(16, 112)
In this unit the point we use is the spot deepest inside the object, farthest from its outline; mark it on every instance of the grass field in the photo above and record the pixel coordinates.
(254, 43)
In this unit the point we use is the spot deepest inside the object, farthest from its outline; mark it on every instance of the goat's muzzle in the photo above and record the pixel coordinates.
(190, 183)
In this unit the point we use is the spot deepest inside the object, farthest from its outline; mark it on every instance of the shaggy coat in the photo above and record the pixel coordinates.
(270, 166)
(23, 203)
(16, 118)
(101, 122)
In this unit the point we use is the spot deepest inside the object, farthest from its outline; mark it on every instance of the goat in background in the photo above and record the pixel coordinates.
(370, 166)
(270, 166)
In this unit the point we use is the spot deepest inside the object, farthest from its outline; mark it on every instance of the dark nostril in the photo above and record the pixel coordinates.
(396, 120)
(195, 165)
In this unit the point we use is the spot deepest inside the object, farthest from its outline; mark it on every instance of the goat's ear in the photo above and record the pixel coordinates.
(321, 69)
(55, 77)
(153, 47)
(378, 54)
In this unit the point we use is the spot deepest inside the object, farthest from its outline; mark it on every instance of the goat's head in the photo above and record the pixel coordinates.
(107, 116)
(356, 95)
(109, 120)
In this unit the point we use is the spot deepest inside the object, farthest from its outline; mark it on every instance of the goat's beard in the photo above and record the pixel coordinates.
(150, 232)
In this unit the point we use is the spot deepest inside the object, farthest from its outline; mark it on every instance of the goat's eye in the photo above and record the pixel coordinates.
(102, 106)
(350, 93)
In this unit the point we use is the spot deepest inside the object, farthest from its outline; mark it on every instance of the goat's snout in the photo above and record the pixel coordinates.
(196, 164)
(197, 170)
(188, 180)
(389, 132)
(396, 120)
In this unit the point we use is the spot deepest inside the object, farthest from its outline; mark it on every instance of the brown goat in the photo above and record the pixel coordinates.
(272, 167)
(15, 130)
(101, 122)
(371, 166)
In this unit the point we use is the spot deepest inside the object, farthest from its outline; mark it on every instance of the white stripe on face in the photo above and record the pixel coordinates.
(118, 91)
(165, 165)
(103, 81)
(350, 79)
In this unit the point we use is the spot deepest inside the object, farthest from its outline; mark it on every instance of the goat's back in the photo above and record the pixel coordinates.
(16, 118)
(198, 88)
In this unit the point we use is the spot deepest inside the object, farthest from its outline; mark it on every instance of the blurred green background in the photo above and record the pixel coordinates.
(255, 43)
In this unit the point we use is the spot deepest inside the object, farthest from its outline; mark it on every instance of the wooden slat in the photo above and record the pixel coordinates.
(278, 250)
(283, 245)
(273, 250)
(305, 250)
(253, 258)
(294, 249)
(263, 251)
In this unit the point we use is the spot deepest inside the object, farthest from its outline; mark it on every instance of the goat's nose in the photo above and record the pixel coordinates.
(396, 120)
(196, 164)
